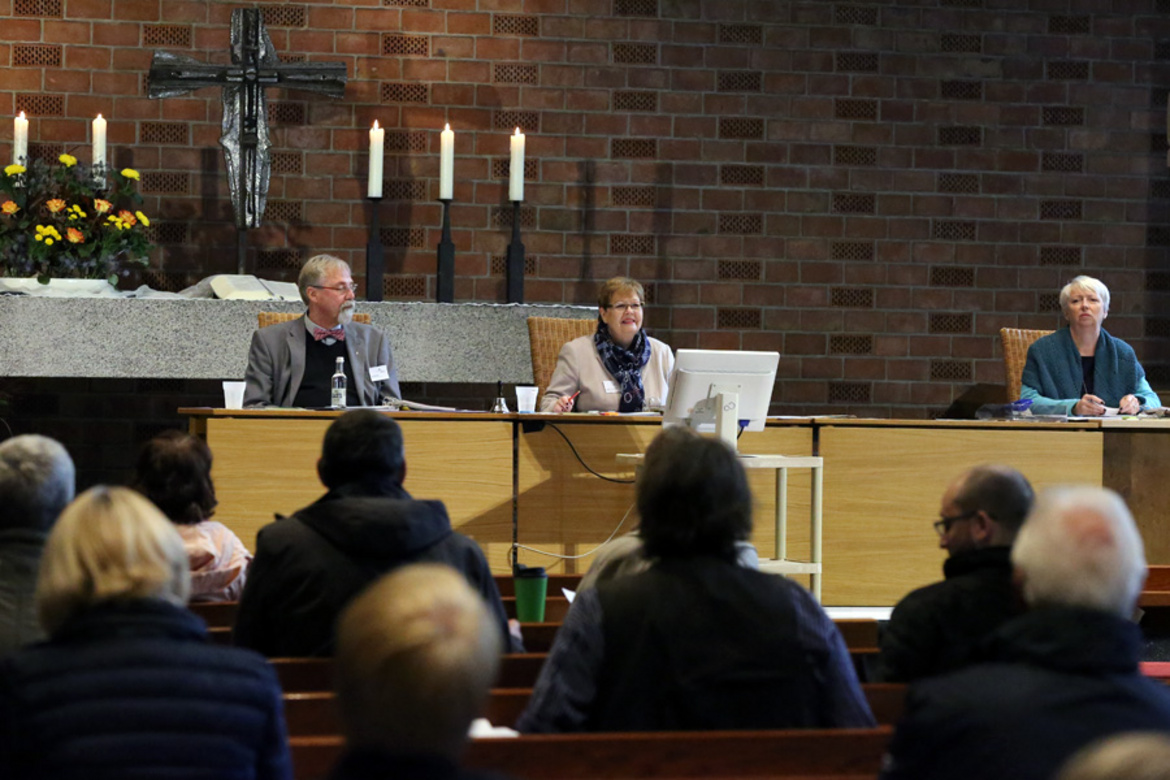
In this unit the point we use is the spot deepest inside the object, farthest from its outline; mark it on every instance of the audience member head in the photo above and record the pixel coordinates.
(983, 507)
(1084, 283)
(36, 481)
(1080, 548)
(417, 654)
(110, 544)
(693, 497)
(1139, 755)
(362, 448)
(327, 288)
(174, 471)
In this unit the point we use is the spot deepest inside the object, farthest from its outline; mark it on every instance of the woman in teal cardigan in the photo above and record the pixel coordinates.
(1082, 370)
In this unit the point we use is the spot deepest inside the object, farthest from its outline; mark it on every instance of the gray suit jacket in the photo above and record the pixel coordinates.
(276, 364)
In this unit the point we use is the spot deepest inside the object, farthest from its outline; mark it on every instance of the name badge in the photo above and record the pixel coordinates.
(378, 373)
(610, 387)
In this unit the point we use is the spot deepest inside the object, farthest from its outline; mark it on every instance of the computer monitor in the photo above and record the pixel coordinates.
(701, 375)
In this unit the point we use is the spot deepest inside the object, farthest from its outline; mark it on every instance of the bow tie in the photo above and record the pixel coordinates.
(322, 333)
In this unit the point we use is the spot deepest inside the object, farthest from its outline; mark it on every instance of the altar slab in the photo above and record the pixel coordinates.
(208, 339)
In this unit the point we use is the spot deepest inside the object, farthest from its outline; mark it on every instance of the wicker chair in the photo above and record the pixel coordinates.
(546, 336)
(1015, 351)
(274, 317)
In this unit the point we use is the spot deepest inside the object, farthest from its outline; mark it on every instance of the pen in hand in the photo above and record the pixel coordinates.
(566, 404)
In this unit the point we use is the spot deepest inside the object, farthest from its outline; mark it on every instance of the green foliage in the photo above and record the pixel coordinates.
(61, 221)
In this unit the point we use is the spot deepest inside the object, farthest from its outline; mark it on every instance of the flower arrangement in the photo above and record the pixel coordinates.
(63, 221)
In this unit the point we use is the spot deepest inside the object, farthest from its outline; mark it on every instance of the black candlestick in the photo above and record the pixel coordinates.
(375, 258)
(515, 265)
(445, 276)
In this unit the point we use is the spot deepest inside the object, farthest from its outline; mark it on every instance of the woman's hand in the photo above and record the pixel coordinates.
(565, 403)
(1089, 406)
(1130, 404)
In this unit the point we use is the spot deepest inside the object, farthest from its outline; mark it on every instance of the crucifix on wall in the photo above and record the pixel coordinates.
(255, 67)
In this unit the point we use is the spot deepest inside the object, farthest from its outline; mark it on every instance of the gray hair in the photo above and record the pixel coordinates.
(36, 481)
(314, 271)
(1083, 282)
(1136, 755)
(1080, 547)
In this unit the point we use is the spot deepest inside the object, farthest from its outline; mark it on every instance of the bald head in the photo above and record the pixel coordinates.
(1081, 548)
(985, 507)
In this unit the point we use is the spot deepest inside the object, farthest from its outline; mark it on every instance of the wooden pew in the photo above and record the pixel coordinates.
(842, 754)
(217, 614)
(314, 714)
(555, 608)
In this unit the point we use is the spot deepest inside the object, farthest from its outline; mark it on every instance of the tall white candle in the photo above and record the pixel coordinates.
(20, 140)
(446, 163)
(99, 141)
(516, 172)
(377, 138)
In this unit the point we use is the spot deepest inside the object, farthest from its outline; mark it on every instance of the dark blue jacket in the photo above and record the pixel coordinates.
(132, 689)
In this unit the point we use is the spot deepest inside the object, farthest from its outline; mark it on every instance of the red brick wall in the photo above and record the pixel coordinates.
(872, 188)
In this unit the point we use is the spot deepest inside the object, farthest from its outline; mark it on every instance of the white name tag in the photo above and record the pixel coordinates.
(610, 387)
(378, 373)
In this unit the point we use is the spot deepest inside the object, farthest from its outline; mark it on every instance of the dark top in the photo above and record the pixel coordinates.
(1057, 679)
(1087, 378)
(307, 567)
(316, 388)
(133, 689)
(938, 628)
(370, 764)
(20, 561)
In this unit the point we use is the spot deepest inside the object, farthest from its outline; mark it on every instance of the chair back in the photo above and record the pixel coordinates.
(1015, 352)
(546, 336)
(267, 318)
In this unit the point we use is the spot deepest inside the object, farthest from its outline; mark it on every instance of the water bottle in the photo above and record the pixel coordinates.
(337, 400)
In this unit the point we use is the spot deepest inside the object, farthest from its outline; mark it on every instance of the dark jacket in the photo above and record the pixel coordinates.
(133, 689)
(308, 566)
(939, 628)
(1059, 678)
(20, 560)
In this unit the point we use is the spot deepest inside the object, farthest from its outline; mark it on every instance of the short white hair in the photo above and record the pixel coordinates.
(36, 481)
(314, 271)
(1083, 282)
(1080, 547)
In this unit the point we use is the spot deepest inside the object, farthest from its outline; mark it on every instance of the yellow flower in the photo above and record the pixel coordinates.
(55, 205)
(142, 218)
(12, 170)
(9, 207)
(68, 160)
(130, 173)
(75, 213)
(74, 235)
(101, 206)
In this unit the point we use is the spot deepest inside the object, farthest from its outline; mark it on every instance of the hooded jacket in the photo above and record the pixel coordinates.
(308, 566)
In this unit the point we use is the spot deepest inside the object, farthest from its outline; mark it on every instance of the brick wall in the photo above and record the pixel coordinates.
(872, 188)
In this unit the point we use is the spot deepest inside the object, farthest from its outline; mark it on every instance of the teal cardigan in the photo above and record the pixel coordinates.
(1052, 374)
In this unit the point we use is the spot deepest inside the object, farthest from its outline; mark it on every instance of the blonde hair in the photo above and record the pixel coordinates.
(1137, 755)
(110, 543)
(417, 653)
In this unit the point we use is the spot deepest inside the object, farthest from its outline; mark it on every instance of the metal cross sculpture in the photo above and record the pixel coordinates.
(255, 67)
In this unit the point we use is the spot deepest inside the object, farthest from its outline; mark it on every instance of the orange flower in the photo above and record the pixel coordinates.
(55, 205)
(127, 218)
(9, 207)
(101, 206)
(75, 236)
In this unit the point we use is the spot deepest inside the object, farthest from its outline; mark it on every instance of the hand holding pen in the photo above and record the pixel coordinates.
(565, 402)
(1089, 406)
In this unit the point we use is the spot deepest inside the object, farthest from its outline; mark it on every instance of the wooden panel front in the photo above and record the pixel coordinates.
(883, 485)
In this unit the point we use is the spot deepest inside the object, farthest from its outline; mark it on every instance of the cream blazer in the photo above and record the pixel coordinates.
(579, 367)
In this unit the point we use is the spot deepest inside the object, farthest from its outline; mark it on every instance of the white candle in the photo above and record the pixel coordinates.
(377, 137)
(20, 140)
(516, 178)
(99, 141)
(446, 163)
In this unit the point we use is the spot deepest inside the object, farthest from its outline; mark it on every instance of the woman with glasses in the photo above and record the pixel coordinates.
(617, 369)
(1082, 370)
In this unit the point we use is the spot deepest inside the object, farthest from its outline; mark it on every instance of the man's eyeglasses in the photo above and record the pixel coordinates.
(625, 307)
(340, 288)
(943, 526)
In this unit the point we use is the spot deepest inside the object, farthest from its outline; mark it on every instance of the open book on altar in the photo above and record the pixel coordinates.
(242, 287)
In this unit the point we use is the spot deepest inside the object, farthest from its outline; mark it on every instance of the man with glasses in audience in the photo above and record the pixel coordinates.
(290, 364)
(938, 628)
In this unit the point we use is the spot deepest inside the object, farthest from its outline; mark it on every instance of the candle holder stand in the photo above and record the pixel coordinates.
(514, 269)
(445, 273)
(99, 173)
(375, 255)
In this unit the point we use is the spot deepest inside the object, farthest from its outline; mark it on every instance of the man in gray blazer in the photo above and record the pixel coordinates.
(290, 364)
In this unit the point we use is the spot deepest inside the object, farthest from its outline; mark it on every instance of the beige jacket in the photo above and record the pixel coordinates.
(579, 367)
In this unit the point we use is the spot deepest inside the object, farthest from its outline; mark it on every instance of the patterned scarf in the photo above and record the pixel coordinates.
(625, 365)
